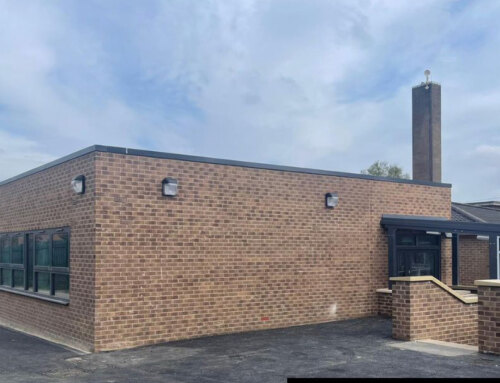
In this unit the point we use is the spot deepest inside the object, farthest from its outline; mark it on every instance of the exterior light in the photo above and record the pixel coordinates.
(433, 232)
(448, 235)
(482, 237)
(78, 184)
(169, 187)
(331, 200)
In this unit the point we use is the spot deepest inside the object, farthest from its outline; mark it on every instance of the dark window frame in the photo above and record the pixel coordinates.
(418, 246)
(33, 290)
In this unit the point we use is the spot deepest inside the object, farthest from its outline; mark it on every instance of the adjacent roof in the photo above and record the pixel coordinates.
(462, 212)
(183, 157)
(491, 204)
(440, 224)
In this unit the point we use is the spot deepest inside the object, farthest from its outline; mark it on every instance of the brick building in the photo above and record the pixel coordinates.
(474, 261)
(110, 248)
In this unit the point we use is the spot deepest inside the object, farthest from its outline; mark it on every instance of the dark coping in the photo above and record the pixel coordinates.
(439, 224)
(218, 161)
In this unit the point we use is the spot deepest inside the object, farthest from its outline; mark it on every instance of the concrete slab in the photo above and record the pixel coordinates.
(436, 347)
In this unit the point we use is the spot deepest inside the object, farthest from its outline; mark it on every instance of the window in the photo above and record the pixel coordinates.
(428, 240)
(405, 239)
(4, 249)
(42, 250)
(418, 253)
(417, 239)
(36, 263)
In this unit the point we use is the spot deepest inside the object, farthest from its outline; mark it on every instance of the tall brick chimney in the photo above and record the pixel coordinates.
(426, 126)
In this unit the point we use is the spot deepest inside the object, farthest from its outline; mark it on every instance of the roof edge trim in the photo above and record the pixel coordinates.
(438, 224)
(217, 161)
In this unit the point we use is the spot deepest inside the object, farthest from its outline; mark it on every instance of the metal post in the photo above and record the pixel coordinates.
(494, 256)
(391, 236)
(455, 259)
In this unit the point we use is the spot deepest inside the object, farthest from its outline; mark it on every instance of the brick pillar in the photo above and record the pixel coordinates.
(401, 310)
(488, 294)
(446, 262)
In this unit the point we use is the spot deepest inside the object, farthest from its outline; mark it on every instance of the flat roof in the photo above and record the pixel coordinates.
(218, 161)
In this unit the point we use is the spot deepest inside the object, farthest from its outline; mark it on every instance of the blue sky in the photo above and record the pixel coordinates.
(316, 83)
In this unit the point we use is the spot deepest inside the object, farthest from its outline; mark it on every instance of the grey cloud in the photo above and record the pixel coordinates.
(311, 83)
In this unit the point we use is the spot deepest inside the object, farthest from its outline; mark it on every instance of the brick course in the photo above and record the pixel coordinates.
(423, 310)
(474, 262)
(238, 249)
(384, 299)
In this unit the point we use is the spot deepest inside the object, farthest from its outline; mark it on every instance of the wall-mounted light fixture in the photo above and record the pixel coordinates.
(433, 232)
(78, 184)
(169, 187)
(331, 200)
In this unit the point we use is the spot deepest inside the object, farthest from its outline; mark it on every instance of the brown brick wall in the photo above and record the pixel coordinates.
(401, 311)
(384, 300)
(238, 249)
(489, 319)
(41, 201)
(446, 261)
(423, 310)
(473, 260)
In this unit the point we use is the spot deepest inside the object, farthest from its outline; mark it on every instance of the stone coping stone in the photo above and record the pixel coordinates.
(488, 282)
(430, 278)
(384, 291)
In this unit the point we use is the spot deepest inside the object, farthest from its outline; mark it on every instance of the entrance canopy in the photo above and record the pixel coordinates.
(438, 225)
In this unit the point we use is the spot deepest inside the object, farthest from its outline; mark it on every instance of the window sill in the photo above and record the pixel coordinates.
(31, 294)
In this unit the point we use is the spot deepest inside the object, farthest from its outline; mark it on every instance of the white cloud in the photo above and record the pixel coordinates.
(488, 150)
(310, 83)
(18, 155)
(37, 41)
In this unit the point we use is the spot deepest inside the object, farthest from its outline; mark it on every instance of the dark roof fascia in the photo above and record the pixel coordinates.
(217, 161)
(438, 224)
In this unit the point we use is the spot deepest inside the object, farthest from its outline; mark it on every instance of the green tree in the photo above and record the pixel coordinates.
(384, 169)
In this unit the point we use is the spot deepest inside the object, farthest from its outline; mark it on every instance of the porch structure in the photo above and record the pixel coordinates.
(412, 252)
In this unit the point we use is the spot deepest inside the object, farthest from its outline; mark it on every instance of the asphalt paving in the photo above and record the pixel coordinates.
(344, 349)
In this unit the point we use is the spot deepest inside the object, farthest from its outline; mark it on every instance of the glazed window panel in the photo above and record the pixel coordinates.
(60, 250)
(6, 276)
(37, 263)
(18, 279)
(4, 250)
(405, 239)
(61, 285)
(43, 282)
(42, 250)
(428, 240)
(17, 249)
